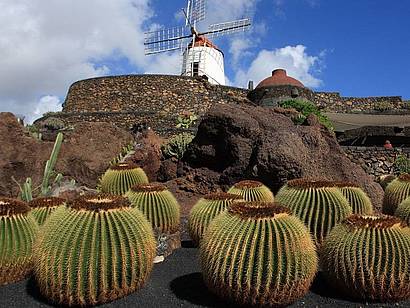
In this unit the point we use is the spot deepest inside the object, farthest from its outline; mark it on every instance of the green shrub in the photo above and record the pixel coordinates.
(258, 254)
(186, 120)
(95, 250)
(177, 145)
(18, 231)
(401, 164)
(367, 257)
(306, 108)
(54, 123)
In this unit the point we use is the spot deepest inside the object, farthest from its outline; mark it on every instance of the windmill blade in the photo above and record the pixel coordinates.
(196, 11)
(165, 40)
(229, 27)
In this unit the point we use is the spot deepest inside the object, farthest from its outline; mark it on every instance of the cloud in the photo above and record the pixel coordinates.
(47, 45)
(294, 59)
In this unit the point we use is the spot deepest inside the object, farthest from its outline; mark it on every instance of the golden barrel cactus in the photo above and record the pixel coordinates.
(252, 191)
(42, 207)
(18, 231)
(206, 209)
(319, 204)
(395, 193)
(95, 250)
(403, 210)
(257, 253)
(158, 205)
(358, 200)
(119, 178)
(367, 257)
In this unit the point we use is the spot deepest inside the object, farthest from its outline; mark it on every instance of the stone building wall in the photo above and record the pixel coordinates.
(375, 161)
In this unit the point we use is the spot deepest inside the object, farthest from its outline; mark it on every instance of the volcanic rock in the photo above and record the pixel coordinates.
(247, 142)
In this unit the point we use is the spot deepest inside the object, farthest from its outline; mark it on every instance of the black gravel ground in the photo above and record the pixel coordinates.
(177, 282)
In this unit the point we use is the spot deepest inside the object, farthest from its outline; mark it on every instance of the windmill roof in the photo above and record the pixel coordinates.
(202, 41)
(279, 77)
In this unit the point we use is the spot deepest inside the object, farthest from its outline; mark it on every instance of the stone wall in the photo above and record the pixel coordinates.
(375, 161)
(333, 102)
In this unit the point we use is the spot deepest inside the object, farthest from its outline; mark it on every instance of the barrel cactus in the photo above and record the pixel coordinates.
(319, 204)
(42, 207)
(252, 191)
(357, 198)
(367, 257)
(206, 209)
(158, 205)
(18, 230)
(257, 253)
(94, 250)
(395, 193)
(119, 178)
(403, 210)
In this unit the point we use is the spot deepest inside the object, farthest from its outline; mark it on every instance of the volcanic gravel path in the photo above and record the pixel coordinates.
(177, 282)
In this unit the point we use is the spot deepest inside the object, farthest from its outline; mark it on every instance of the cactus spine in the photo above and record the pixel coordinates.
(158, 205)
(256, 253)
(119, 178)
(319, 204)
(395, 193)
(357, 198)
(252, 191)
(95, 250)
(18, 230)
(403, 210)
(41, 208)
(367, 257)
(206, 209)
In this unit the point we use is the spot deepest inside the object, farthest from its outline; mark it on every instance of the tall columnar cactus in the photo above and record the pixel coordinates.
(49, 167)
(42, 207)
(403, 210)
(367, 257)
(357, 198)
(18, 230)
(206, 209)
(94, 250)
(119, 178)
(319, 204)
(158, 205)
(395, 193)
(256, 253)
(252, 191)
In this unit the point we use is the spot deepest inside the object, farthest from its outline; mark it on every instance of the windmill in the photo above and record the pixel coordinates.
(200, 57)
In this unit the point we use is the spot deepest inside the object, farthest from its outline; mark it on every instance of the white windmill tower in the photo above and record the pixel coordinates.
(200, 57)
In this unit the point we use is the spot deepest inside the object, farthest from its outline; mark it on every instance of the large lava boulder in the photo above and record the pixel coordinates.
(85, 153)
(258, 143)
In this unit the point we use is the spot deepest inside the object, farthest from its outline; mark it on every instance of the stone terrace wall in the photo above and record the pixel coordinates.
(333, 102)
(375, 161)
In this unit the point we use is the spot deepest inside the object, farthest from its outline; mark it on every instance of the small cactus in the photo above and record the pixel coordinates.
(18, 230)
(94, 250)
(357, 198)
(252, 191)
(158, 205)
(403, 210)
(41, 207)
(119, 178)
(206, 209)
(395, 193)
(319, 204)
(367, 257)
(257, 253)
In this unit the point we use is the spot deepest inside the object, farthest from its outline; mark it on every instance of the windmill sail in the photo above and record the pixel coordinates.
(196, 11)
(230, 27)
(165, 40)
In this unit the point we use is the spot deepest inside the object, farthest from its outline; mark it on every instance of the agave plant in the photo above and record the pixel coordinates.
(206, 209)
(367, 257)
(18, 230)
(252, 191)
(95, 250)
(257, 253)
(43, 207)
(158, 205)
(119, 178)
(319, 204)
(357, 198)
(395, 193)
